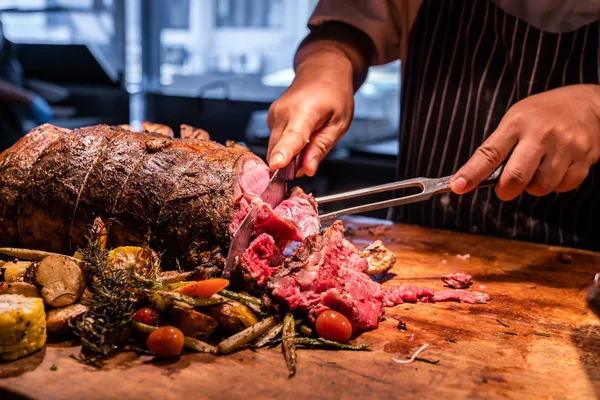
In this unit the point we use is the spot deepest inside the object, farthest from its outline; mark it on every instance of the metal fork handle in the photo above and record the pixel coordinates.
(429, 188)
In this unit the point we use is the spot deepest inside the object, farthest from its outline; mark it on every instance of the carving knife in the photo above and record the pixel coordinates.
(274, 193)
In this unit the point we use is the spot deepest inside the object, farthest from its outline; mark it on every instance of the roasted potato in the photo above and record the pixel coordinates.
(57, 320)
(22, 288)
(60, 279)
(193, 323)
(227, 317)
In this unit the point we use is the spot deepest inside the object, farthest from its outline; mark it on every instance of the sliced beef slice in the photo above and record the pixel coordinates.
(326, 272)
(462, 296)
(294, 219)
(259, 261)
(457, 281)
(301, 209)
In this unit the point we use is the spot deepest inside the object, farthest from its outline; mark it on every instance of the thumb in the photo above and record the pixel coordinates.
(486, 159)
(294, 138)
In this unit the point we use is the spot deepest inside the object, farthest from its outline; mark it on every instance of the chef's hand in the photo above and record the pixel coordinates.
(316, 110)
(312, 114)
(554, 138)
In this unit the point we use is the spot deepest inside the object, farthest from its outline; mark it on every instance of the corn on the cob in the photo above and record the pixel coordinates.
(22, 326)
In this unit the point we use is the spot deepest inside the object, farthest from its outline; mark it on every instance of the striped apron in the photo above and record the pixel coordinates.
(469, 61)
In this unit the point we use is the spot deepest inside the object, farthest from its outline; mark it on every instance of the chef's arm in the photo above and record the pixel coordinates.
(316, 110)
(37, 107)
(13, 94)
(335, 48)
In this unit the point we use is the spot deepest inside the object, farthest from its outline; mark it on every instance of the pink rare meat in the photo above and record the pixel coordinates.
(259, 261)
(461, 296)
(326, 272)
(294, 219)
(457, 281)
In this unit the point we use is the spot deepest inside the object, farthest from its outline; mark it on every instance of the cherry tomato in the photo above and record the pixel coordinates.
(165, 342)
(148, 316)
(332, 325)
(203, 289)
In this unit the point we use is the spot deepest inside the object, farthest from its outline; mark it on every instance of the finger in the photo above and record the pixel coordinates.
(320, 145)
(519, 170)
(276, 124)
(293, 139)
(486, 159)
(576, 174)
(274, 138)
(548, 176)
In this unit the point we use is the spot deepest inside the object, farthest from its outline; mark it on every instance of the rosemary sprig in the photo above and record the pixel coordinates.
(112, 305)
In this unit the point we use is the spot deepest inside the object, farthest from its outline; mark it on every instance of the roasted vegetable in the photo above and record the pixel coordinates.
(22, 288)
(22, 326)
(320, 343)
(193, 323)
(201, 289)
(144, 261)
(227, 317)
(170, 277)
(379, 258)
(99, 233)
(148, 316)
(269, 336)
(27, 254)
(251, 302)
(247, 335)
(190, 343)
(15, 270)
(161, 300)
(332, 325)
(245, 315)
(58, 321)
(288, 346)
(60, 279)
(166, 342)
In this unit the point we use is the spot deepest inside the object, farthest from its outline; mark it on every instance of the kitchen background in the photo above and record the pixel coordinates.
(214, 64)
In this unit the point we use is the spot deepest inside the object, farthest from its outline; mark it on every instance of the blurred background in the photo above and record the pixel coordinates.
(213, 64)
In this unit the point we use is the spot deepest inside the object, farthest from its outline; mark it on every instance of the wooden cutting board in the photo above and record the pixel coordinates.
(550, 348)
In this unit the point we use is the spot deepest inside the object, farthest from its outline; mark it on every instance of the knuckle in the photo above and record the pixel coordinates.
(540, 188)
(292, 132)
(515, 117)
(322, 147)
(489, 154)
(515, 177)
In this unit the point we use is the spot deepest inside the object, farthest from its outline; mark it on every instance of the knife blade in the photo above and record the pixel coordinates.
(273, 194)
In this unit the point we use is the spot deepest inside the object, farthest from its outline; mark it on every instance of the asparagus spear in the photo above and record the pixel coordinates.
(320, 343)
(306, 330)
(288, 346)
(242, 298)
(247, 335)
(268, 336)
(164, 298)
(251, 302)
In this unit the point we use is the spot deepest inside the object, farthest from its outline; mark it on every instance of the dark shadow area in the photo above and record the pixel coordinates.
(18, 367)
(7, 395)
(586, 339)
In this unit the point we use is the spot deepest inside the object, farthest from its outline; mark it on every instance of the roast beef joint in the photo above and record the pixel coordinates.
(184, 198)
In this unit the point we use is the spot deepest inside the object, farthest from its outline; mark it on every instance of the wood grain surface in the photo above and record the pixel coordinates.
(550, 348)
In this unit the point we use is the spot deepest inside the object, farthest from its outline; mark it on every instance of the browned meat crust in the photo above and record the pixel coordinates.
(53, 183)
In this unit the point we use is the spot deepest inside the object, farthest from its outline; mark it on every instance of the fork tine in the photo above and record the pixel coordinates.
(376, 206)
(417, 182)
